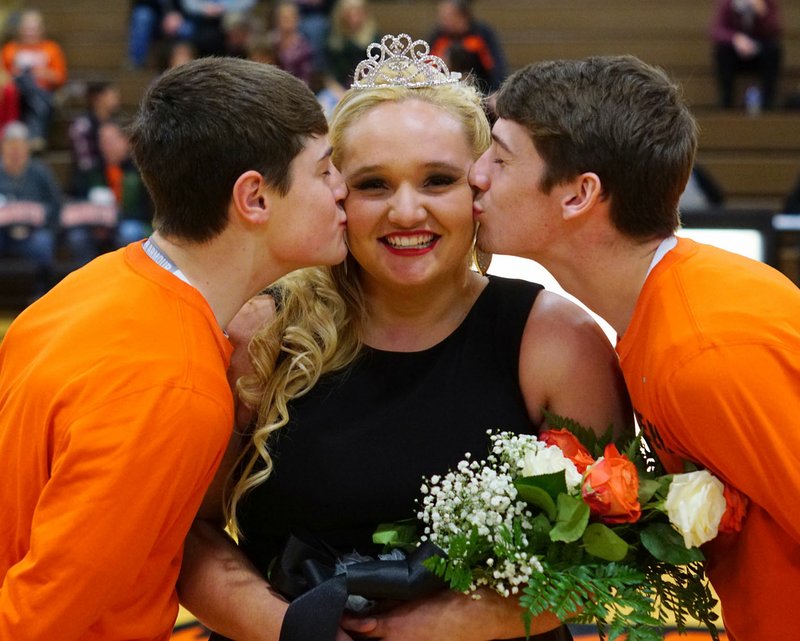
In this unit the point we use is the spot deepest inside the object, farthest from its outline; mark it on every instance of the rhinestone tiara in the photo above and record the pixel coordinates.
(399, 61)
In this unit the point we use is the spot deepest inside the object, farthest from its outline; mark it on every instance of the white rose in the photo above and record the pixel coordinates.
(549, 460)
(695, 505)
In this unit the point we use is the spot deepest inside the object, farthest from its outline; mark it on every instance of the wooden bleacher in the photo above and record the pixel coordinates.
(755, 159)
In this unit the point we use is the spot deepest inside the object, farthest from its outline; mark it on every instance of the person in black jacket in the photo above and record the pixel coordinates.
(149, 22)
(459, 36)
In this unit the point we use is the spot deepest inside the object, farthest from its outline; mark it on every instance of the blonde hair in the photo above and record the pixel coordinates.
(461, 100)
(321, 312)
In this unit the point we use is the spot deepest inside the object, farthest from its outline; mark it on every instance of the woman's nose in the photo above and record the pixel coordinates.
(406, 208)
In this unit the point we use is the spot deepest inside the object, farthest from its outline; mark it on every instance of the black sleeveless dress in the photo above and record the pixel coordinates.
(359, 444)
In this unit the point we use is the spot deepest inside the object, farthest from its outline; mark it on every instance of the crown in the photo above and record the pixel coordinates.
(400, 61)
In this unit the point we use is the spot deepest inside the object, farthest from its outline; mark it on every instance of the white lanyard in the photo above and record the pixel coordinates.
(162, 260)
(668, 243)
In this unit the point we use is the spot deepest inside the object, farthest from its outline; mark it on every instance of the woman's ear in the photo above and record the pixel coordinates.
(251, 197)
(584, 193)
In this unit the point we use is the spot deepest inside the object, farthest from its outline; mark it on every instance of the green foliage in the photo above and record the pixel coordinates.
(665, 544)
(613, 596)
(647, 489)
(456, 568)
(572, 517)
(602, 542)
(533, 494)
(683, 591)
(595, 444)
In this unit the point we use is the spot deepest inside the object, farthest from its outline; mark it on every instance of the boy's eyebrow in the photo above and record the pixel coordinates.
(500, 142)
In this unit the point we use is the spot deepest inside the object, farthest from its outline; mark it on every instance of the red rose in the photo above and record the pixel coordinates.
(611, 488)
(736, 503)
(570, 446)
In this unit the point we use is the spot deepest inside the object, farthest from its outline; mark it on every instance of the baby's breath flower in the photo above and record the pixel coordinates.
(478, 503)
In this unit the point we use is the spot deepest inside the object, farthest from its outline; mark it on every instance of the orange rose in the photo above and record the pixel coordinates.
(736, 507)
(570, 446)
(611, 488)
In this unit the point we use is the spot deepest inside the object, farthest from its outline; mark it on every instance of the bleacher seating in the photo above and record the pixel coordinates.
(756, 159)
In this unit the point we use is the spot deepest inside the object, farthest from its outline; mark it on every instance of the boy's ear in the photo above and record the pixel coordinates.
(585, 192)
(251, 198)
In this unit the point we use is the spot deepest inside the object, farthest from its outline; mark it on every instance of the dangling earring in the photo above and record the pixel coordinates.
(481, 259)
(347, 256)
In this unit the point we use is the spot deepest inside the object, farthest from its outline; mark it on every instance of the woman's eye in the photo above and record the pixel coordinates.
(370, 183)
(440, 181)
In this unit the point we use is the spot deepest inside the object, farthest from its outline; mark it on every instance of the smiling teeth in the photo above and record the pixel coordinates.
(416, 242)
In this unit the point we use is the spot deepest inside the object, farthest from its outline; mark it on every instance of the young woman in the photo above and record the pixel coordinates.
(391, 366)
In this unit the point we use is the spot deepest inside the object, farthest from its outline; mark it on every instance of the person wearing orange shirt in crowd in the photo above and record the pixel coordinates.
(588, 163)
(115, 408)
(457, 30)
(39, 67)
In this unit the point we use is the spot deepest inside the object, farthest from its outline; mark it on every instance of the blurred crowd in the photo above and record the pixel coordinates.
(319, 41)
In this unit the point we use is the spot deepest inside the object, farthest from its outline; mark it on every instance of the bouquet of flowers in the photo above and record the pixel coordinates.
(579, 526)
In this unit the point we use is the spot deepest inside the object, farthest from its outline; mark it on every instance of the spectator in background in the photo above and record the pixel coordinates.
(459, 58)
(152, 21)
(261, 48)
(292, 49)
(39, 67)
(206, 22)
(746, 35)
(103, 101)
(353, 28)
(30, 201)
(456, 25)
(116, 182)
(315, 25)
(179, 52)
(135, 209)
(239, 30)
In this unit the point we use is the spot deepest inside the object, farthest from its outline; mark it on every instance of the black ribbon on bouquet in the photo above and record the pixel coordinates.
(318, 583)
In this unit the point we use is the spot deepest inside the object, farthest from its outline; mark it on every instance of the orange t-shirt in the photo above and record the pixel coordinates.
(46, 54)
(114, 175)
(712, 362)
(114, 415)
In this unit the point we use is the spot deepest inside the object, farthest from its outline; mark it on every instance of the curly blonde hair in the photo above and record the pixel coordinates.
(321, 312)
